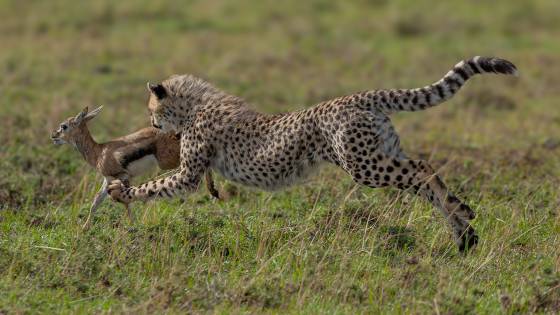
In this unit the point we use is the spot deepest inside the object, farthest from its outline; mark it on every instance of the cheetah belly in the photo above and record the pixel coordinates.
(283, 176)
(143, 165)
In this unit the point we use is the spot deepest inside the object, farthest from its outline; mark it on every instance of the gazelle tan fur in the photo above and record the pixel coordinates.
(121, 158)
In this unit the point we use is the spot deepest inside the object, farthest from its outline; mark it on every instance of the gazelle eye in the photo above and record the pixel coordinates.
(64, 127)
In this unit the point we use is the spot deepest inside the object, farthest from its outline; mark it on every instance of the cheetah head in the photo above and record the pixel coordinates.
(71, 128)
(160, 107)
(173, 102)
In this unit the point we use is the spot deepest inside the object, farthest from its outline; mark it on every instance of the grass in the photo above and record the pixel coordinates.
(325, 246)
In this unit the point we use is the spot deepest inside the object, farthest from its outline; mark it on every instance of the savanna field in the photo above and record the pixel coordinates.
(324, 246)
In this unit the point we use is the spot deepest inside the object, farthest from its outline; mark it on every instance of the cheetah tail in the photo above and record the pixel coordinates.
(392, 101)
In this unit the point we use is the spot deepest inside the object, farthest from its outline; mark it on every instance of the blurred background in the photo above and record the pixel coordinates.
(58, 56)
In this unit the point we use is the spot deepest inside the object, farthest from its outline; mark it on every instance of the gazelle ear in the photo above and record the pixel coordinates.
(158, 90)
(81, 115)
(93, 113)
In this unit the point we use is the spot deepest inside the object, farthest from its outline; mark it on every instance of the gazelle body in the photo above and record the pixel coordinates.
(122, 158)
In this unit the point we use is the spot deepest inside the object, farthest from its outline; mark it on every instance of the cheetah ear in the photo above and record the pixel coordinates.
(158, 90)
(93, 113)
(78, 119)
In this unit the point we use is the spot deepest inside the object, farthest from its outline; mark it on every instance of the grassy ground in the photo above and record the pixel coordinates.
(324, 246)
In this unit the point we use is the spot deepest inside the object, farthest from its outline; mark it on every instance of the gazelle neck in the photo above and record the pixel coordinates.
(88, 148)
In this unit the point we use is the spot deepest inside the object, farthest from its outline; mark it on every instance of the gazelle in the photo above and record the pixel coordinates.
(122, 158)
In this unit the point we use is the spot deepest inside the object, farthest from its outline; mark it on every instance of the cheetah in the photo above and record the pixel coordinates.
(220, 132)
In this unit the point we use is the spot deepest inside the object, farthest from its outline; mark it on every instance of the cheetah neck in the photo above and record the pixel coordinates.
(88, 148)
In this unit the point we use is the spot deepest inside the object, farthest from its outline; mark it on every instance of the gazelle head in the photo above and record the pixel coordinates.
(71, 127)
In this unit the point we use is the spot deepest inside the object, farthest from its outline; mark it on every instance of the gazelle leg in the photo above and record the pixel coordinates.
(97, 200)
(128, 212)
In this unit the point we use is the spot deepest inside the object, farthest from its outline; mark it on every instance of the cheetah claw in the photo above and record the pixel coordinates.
(118, 192)
(467, 240)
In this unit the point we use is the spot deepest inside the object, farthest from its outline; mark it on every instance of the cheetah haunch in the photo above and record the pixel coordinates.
(220, 132)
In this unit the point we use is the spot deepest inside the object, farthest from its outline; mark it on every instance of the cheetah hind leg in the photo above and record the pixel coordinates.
(417, 176)
(457, 213)
(211, 186)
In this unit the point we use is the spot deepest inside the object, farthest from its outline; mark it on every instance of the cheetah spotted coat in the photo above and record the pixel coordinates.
(220, 132)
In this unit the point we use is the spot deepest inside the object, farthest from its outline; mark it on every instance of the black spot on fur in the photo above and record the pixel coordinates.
(485, 64)
(428, 98)
(439, 90)
(452, 82)
(461, 72)
(473, 66)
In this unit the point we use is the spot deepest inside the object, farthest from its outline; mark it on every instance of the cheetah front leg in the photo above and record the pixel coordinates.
(417, 176)
(126, 182)
(194, 163)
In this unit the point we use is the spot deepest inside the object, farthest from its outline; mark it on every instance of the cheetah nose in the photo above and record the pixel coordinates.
(156, 126)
